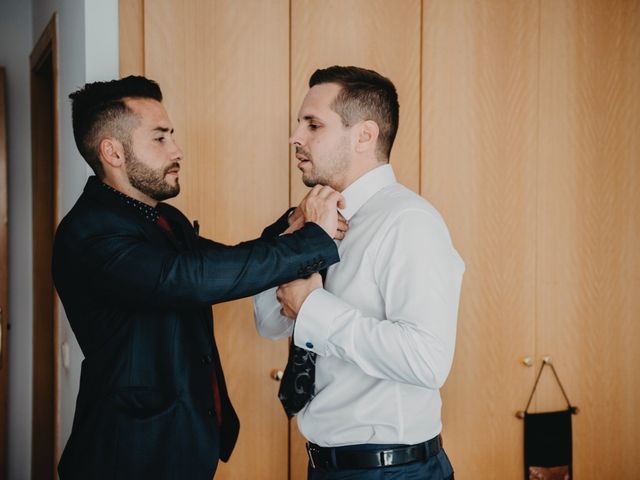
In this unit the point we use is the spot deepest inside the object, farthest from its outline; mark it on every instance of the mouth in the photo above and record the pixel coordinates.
(173, 170)
(302, 160)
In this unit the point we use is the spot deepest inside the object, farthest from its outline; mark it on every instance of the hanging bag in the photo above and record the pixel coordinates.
(548, 438)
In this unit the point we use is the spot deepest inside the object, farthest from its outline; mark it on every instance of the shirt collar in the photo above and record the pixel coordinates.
(146, 211)
(365, 187)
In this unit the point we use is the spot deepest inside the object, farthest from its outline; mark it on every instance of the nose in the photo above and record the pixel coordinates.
(296, 137)
(178, 154)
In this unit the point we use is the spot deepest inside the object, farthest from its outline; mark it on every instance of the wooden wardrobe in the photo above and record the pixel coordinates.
(520, 122)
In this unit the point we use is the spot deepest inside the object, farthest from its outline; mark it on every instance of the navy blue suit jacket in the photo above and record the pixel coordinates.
(139, 303)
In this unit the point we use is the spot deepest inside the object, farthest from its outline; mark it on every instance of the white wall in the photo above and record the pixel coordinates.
(15, 46)
(87, 51)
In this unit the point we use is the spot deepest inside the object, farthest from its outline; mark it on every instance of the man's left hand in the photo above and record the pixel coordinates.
(296, 221)
(293, 294)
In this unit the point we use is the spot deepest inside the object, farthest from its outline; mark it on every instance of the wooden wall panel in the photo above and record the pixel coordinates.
(376, 34)
(185, 73)
(479, 148)
(252, 181)
(298, 458)
(225, 77)
(131, 37)
(589, 210)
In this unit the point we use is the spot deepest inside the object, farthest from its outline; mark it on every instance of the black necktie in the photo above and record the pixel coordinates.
(298, 381)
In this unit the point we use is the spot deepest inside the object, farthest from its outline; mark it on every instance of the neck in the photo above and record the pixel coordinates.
(342, 184)
(130, 191)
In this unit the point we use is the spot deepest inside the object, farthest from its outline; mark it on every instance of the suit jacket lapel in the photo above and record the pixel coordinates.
(180, 223)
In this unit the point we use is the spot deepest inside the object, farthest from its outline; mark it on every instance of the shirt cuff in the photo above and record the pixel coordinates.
(315, 320)
(266, 312)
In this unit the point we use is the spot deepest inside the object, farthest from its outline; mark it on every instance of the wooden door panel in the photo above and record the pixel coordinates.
(131, 37)
(224, 74)
(479, 139)
(589, 198)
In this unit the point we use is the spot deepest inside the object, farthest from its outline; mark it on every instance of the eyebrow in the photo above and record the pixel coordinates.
(163, 129)
(310, 118)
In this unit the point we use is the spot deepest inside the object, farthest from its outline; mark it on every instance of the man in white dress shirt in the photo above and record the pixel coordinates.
(383, 325)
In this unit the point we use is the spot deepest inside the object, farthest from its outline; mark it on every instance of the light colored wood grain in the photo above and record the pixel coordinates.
(589, 211)
(182, 60)
(131, 37)
(480, 62)
(376, 34)
(519, 122)
(224, 73)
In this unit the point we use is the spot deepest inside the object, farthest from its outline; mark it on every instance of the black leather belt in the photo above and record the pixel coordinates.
(338, 458)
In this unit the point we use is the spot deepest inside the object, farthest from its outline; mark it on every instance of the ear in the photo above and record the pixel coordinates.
(111, 152)
(367, 140)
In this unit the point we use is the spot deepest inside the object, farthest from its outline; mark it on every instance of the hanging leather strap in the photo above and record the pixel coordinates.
(573, 409)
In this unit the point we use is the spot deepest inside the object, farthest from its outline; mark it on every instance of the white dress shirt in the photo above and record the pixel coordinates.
(384, 326)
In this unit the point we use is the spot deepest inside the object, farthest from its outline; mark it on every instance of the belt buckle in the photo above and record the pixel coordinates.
(386, 457)
(310, 452)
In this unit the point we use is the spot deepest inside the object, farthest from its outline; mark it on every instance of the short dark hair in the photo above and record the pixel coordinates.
(365, 95)
(98, 110)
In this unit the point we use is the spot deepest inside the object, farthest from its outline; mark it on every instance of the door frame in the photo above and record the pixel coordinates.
(44, 152)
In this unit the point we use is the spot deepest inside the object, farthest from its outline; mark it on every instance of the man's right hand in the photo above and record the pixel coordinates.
(321, 206)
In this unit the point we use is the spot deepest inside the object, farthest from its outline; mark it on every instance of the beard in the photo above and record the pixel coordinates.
(332, 168)
(147, 180)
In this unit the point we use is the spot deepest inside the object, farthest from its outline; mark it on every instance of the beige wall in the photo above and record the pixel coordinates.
(519, 122)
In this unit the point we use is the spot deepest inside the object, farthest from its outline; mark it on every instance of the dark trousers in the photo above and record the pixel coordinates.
(435, 468)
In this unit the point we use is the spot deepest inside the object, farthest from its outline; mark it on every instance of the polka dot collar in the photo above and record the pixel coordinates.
(148, 212)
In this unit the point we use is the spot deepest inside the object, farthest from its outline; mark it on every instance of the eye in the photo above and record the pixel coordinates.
(313, 126)
(160, 139)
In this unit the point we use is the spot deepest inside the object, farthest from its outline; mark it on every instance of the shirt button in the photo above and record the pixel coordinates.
(309, 345)
(206, 359)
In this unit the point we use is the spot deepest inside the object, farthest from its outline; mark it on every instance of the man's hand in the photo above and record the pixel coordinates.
(296, 221)
(293, 294)
(313, 208)
(321, 206)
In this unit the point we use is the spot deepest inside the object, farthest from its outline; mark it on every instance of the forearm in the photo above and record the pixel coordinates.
(132, 270)
(416, 351)
(251, 267)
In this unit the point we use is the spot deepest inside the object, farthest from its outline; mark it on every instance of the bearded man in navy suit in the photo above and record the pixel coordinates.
(137, 283)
